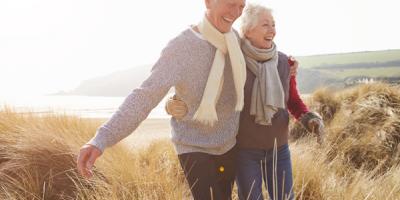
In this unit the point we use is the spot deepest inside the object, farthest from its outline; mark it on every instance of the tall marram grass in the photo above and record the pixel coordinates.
(358, 160)
(360, 156)
(38, 161)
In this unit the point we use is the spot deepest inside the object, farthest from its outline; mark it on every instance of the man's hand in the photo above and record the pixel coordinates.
(86, 158)
(176, 108)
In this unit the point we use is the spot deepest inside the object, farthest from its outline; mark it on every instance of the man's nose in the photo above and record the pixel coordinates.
(236, 12)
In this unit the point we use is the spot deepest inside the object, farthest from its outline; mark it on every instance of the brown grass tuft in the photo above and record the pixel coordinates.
(362, 125)
(38, 161)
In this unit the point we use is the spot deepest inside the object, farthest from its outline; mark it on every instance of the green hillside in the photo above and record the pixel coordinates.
(373, 72)
(349, 58)
(334, 69)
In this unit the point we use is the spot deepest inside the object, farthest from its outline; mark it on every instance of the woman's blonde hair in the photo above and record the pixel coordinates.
(251, 16)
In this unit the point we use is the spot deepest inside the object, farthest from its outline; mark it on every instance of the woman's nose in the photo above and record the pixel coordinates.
(271, 30)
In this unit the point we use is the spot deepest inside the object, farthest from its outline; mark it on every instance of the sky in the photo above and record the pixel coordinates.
(51, 45)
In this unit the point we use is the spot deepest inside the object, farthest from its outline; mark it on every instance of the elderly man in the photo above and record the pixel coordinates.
(206, 66)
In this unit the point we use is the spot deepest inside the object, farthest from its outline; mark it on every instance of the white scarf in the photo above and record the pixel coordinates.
(226, 43)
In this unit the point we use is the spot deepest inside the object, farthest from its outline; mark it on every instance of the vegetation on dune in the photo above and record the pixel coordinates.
(363, 125)
(358, 160)
(38, 161)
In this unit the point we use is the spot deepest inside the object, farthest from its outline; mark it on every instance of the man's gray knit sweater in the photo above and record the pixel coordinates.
(184, 64)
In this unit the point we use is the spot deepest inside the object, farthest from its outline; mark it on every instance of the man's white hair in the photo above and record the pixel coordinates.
(250, 17)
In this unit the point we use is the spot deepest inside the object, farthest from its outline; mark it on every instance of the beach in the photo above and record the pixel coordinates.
(149, 131)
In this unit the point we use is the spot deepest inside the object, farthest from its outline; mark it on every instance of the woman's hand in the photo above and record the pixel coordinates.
(294, 65)
(316, 125)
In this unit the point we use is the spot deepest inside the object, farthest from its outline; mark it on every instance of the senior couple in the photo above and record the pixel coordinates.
(236, 92)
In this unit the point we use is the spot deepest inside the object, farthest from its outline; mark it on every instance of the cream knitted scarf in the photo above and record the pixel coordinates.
(226, 43)
(267, 94)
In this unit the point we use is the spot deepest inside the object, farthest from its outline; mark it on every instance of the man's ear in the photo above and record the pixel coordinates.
(245, 35)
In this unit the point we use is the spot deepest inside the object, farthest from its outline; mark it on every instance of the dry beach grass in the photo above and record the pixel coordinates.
(359, 159)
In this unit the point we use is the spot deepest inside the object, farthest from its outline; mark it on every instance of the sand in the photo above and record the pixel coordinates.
(148, 131)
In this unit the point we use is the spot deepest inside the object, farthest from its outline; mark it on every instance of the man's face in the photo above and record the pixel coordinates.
(222, 13)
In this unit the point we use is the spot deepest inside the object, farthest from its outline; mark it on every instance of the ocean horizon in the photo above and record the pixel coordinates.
(81, 106)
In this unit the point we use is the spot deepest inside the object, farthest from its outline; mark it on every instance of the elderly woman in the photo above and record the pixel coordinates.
(270, 93)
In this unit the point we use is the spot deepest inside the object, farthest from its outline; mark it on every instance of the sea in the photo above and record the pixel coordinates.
(82, 106)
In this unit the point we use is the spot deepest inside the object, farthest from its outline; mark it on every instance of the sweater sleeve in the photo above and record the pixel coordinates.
(138, 104)
(296, 105)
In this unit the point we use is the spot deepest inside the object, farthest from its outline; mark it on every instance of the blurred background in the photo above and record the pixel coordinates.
(84, 57)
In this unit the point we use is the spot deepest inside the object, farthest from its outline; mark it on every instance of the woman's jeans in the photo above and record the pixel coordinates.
(253, 165)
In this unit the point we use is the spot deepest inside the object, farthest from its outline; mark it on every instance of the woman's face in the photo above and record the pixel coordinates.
(222, 13)
(262, 35)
